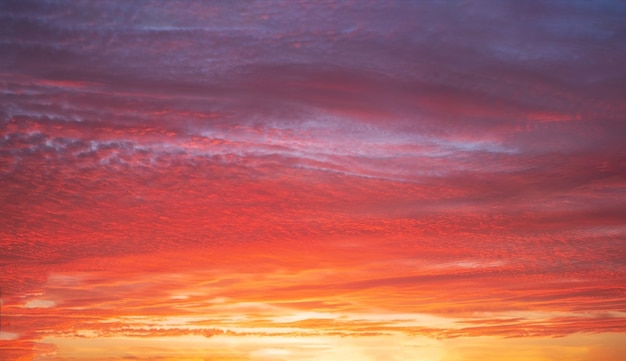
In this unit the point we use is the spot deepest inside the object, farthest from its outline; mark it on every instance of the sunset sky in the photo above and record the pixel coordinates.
(313, 180)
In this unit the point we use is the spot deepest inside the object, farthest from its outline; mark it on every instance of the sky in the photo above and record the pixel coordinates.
(312, 180)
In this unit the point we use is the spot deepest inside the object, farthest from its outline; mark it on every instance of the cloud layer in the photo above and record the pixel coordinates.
(309, 170)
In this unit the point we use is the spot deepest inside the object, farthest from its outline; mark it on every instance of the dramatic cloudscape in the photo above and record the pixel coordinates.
(313, 180)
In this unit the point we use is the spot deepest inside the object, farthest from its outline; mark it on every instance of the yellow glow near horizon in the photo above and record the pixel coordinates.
(323, 348)
(579, 347)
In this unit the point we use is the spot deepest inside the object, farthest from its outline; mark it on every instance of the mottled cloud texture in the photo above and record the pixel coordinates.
(328, 180)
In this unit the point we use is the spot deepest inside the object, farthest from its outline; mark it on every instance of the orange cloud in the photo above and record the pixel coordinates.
(182, 182)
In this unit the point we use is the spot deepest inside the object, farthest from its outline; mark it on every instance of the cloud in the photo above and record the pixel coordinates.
(40, 304)
(261, 160)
